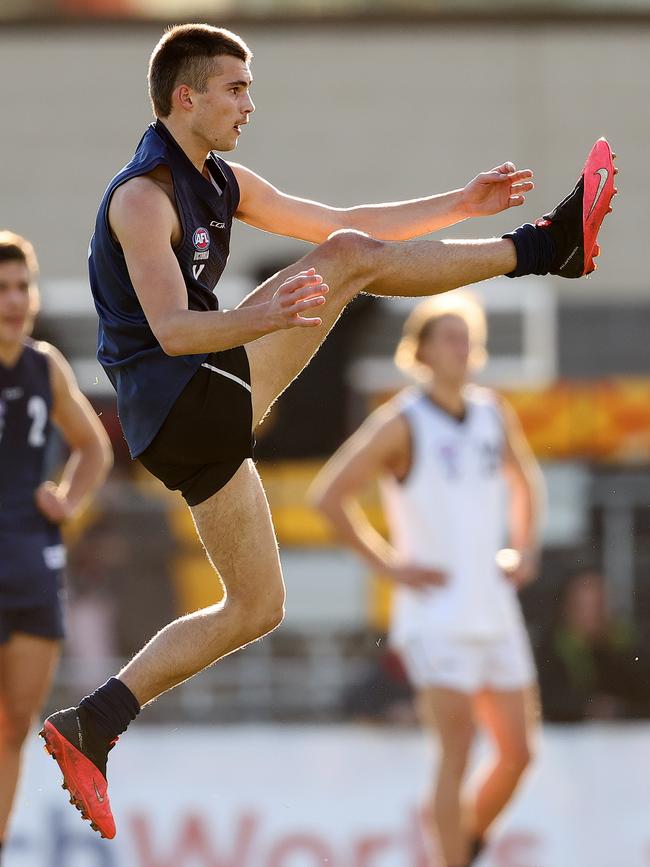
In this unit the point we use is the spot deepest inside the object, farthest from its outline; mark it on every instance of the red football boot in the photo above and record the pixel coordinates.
(576, 221)
(599, 191)
(82, 757)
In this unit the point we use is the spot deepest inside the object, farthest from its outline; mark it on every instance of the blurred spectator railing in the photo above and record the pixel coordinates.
(289, 676)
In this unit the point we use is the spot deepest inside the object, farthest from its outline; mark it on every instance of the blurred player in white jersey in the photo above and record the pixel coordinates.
(461, 491)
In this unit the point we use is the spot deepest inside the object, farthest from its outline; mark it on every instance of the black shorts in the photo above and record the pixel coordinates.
(208, 432)
(44, 621)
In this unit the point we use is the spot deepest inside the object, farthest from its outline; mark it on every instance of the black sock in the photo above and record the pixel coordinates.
(111, 708)
(535, 250)
(476, 846)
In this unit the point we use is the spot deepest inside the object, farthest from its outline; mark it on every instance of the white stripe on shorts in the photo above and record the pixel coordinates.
(228, 375)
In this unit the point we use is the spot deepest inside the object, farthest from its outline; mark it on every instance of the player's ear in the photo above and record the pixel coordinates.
(34, 308)
(182, 97)
(34, 300)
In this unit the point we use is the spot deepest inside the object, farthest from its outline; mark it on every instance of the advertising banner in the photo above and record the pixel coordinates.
(336, 796)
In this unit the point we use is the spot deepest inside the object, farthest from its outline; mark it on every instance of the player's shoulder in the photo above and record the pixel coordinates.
(396, 405)
(46, 359)
(402, 404)
(493, 403)
(482, 395)
(391, 417)
(57, 363)
(248, 182)
(40, 347)
(237, 168)
(142, 190)
(141, 204)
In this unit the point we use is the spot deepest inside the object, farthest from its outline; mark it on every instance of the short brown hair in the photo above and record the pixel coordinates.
(423, 319)
(15, 248)
(184, 55)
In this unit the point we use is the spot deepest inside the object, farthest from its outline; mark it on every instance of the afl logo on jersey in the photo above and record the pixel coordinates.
(201, 239)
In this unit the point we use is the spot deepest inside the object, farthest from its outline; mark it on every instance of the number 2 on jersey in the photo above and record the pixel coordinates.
(37, 411)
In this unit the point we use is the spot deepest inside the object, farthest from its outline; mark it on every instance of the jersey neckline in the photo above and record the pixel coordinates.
(438, 407)
(11, 368)
(199, 178)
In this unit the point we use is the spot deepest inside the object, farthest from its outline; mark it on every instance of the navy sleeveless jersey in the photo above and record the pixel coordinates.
(31, 551)
(147, 381)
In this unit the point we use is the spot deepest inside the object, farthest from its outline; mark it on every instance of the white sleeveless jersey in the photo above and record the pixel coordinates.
(450, 513)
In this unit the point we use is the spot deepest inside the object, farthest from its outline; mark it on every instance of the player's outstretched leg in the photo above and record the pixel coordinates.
(563, 243)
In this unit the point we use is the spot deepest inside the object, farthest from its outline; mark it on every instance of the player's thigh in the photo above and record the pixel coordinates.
(27, 666)
(237, 532)
(510, 717)
(449, 713)
(276, 359)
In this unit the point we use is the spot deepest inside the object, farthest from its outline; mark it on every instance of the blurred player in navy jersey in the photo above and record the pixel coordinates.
(194, 381)
(37, 390)
(458, 483)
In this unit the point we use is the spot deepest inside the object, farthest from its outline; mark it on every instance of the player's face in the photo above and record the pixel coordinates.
(446, 350)
(15, 302)
(226, 106)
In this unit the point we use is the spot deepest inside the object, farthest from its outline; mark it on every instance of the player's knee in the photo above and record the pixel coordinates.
(261, 613)
(517, 757)
(455, 752)
(354, 249)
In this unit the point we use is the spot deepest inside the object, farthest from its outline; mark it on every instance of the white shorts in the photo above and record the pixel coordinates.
(503, 664)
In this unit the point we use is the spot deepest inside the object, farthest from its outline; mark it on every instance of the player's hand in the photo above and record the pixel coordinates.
(418, 577)
(51, 503)
(297, 298)
(495, 191)
(519, 567)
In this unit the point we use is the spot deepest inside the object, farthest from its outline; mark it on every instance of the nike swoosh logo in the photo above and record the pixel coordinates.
(100, 797)
(604, 175)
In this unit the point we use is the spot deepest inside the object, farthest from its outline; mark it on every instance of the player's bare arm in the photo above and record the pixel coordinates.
(526, 498)
(380, 447)
(91, 456)
(145, 224)
(265, 207)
